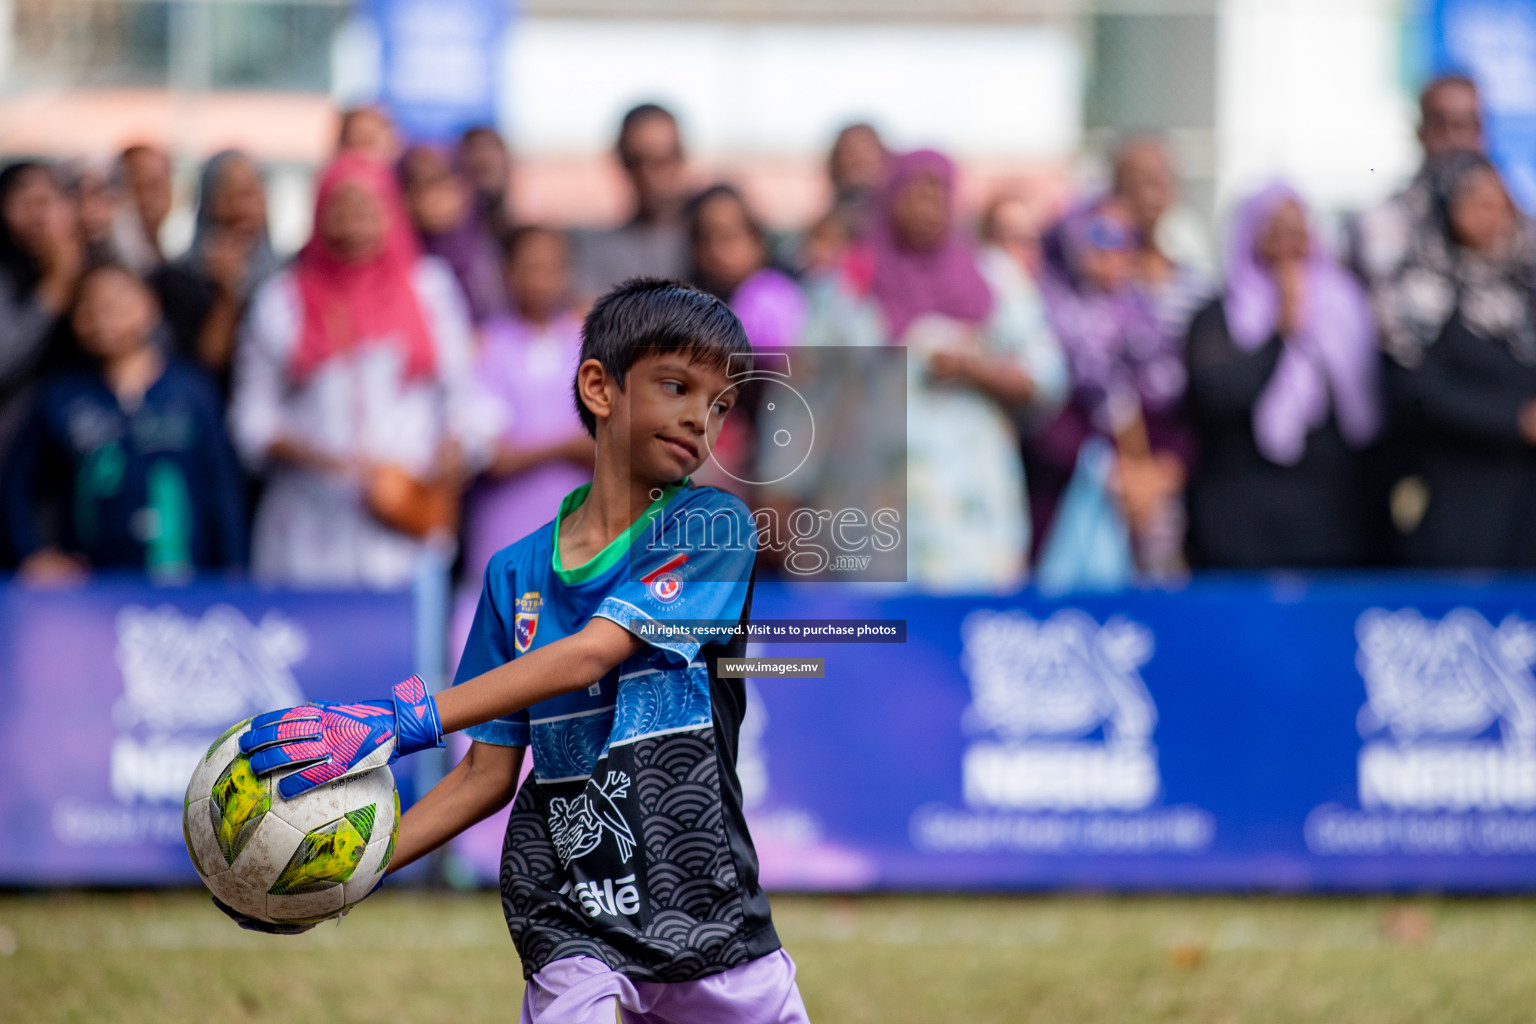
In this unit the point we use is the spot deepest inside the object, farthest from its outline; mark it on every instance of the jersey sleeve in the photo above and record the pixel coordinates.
(488, 648)
(694, 572)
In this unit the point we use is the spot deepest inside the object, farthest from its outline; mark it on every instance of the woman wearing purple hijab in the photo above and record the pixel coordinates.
(979, 362)
(451, 226)
(1283, 389)
(1127, 383)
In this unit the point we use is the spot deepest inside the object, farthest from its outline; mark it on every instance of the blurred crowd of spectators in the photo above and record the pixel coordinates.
(1086, 401)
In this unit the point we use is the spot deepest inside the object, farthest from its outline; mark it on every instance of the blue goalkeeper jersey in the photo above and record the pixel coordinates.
(629, 843)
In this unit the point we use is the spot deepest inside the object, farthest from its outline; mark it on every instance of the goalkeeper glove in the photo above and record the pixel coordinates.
(334, 741)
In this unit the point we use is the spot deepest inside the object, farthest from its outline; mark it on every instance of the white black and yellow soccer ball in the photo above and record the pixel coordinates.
(286, 862)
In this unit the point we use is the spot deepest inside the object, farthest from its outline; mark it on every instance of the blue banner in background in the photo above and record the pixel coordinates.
(109, 694)
(1494, 41)
(1286, 733)
(440, 63)
(1276, 734)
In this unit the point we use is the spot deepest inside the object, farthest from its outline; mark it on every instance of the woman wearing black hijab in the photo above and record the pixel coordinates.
(40, 260)
(1459, 322)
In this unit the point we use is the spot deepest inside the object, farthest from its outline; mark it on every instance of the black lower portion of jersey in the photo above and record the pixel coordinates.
(647, 866)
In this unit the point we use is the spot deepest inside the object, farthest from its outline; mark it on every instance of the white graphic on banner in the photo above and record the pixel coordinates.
(1060, 757)
(186, 678)
(1448, 763)
(1450, 715)
(190, 672)
(1039, 689)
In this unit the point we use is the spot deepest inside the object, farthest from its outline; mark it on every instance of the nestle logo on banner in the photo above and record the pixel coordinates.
(1067, 717)
(1450, 717)
(186, 678)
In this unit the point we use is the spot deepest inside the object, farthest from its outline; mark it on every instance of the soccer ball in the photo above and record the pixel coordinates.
(298, 861)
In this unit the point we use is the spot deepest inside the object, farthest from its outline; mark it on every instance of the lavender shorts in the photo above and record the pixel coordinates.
(583, 990)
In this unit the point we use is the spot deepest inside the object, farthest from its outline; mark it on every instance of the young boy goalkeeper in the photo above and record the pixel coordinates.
(628, 877)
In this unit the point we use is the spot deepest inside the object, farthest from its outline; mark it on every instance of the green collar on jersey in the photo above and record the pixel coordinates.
(619, 546)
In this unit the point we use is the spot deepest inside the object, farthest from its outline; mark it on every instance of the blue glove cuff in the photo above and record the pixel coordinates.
(417, 726)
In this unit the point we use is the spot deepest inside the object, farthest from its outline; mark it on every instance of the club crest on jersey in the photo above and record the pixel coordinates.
(525, 622)
(664, 582)
(666, 588)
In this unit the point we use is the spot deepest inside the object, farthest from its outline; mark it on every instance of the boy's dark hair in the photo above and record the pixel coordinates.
(647, 316)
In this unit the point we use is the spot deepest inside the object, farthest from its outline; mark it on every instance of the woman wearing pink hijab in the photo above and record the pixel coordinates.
(979, 362)
(353, 381)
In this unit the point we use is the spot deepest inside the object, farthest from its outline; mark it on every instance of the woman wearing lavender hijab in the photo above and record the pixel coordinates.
(729, 250)
(1283, 391)
(527, 359)
(1128, 381)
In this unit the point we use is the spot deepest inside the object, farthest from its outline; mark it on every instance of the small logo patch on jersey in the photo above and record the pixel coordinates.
(667, 587)
(525, 623)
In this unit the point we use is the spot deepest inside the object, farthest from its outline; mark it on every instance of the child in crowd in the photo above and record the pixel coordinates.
(129, 454)
(525, 361)
(628, 878)
(730, 260)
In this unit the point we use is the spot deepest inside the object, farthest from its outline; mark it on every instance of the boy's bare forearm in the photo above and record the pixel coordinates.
(477, 787)
(565, 666)
(486, 779)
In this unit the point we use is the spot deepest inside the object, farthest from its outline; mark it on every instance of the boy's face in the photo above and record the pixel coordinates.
(673, 409)
(114, 314)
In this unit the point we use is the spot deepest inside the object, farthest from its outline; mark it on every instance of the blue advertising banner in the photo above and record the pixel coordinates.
(1281, 733)
(109, 693)
(1284, 734)
(440, 63)
(1494, 41)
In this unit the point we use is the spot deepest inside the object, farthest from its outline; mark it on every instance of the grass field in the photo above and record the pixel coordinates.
(420, 957)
